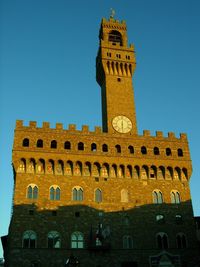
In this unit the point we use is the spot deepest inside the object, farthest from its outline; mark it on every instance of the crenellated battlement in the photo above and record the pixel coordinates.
(59, 127)
(113, 24)
(171, 136)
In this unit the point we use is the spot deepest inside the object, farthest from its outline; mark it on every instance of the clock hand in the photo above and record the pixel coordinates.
(122, 124)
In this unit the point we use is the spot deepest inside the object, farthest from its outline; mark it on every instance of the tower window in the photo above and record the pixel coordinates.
(77, 194)
(175, 197)
(39, 143)
(118, 148)
(105, 148)
(31, 212)
(127, 242)
(178, 219)
(80, 146)
(115, 37)
(118, 55)
(32, 191)
(156, 151)
(162, 241)
(180, 152)
(160, 218)
(168, 151)
(119, 79)
(143, 150)
(77, 240)
(54, 193)
(25, 142)
(67, 145)
(157, 197)
(77, 214)
(181, 241)
(54, 213)
(54, 239)
(131, 149)
(98, 195)
(93, 147)
(29, 239)
(53, 144)
(108, 54)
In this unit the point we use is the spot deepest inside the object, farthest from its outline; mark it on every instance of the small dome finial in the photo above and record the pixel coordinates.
(112, 13)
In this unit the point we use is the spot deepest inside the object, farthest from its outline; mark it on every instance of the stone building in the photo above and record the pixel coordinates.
(102, 198)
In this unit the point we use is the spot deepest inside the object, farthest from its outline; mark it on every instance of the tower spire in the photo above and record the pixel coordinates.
(112, 13)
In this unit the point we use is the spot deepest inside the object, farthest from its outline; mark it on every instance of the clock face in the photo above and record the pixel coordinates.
(122, 124)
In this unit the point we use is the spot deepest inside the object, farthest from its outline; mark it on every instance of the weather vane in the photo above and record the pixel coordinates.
(112, 13)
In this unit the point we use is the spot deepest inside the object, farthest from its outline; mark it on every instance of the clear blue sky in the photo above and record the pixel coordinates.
(47, 71)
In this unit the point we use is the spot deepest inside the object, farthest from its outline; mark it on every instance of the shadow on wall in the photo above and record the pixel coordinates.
(125, 238)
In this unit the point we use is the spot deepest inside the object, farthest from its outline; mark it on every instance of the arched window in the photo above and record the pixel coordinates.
(113, 170)
(25, 142)
(29, 239)
(178, 219)
(144, 174)
(157, 197)
(184, 174)
(161, 172)
(32, 191)
(127, 242)
(67, 145)
(54, 240)
(153, 172)
(156, 151)
(126, 221)
(59, 167)
(177, 173)
(53, 144)
(98, 195)
(121, 171)
(93, 147)
(118, 148)
(175, 197)
(124, 195)
(131, 149)
(78, 168)
(105, 170)
(181, 240)
(136, 172)
(77, 194)
(80, 146)
(54, 192)
(96, 169)
(40, 166)
(105, 148)
(180, 152)
(168, 151)
(87, 169)
(22, 166)
(77, 240)
(39, 143)
(160, 218)
(143, 150)
(162, 241)
(129, 171)
(115, 37)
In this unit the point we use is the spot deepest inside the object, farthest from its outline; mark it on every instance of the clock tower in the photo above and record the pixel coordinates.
(115, 65)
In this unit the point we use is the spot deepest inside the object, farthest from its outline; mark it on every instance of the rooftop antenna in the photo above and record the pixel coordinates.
(112, 13)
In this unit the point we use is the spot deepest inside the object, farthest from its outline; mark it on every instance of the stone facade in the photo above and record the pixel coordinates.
(108, 197)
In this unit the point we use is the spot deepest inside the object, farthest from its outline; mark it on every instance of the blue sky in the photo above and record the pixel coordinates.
(47, 71)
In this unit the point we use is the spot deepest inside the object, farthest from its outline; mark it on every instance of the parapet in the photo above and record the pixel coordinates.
(97, 130)
(59, 127)
(160, 135)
